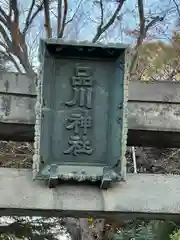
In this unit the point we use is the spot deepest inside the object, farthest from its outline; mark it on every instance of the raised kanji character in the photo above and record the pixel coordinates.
(77, 120)
(79, 146)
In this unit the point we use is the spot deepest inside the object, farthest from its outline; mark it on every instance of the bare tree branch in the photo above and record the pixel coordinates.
(14, 5)
(5, 36)
(3, 45)
(142, 21)
(47, 19)
(64, 19)
(3, 13)
(59, 16)
(102, 29)
(14, 26)
(177, 7)
(14, 38)
(4, 17)
(142, 34)
(19, 50)
(153, 22)
(4, 21)
(30, 18)
(8, 56)
(29, 15)
(11, 59)
(10, 9)
(102, 13)
(75, 12)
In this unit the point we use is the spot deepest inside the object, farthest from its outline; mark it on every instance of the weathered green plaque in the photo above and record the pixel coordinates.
(81, 109)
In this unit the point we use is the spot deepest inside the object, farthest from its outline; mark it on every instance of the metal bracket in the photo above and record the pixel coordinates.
(53, 176)
(106, 178)
(110, 175)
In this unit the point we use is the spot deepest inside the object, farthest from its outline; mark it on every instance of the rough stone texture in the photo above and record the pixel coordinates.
(125, 120)
(105, 162)
(16, 83)
(17, 109)
(154, 116)
(150, 121)
(152, 196)
(155, 91)
(38, 110)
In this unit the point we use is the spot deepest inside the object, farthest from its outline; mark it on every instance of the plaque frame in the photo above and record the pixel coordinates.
(44, 168)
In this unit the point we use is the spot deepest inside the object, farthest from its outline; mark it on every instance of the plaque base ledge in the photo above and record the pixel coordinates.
(54, 173)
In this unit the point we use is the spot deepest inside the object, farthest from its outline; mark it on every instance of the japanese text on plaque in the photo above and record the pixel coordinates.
(79, 123)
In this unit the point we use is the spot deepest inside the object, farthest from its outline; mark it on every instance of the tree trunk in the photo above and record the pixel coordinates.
(81, 229)
(91, 232)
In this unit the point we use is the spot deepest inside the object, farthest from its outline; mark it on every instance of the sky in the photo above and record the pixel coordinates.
(85, 25)
(130, 19)
(85, 22)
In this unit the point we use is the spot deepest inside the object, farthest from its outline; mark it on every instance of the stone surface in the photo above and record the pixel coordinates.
(143, 195)
(151, 122)
(81, 113)
(16, 83)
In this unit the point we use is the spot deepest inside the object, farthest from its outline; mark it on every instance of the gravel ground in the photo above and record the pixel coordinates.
(149, 160)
